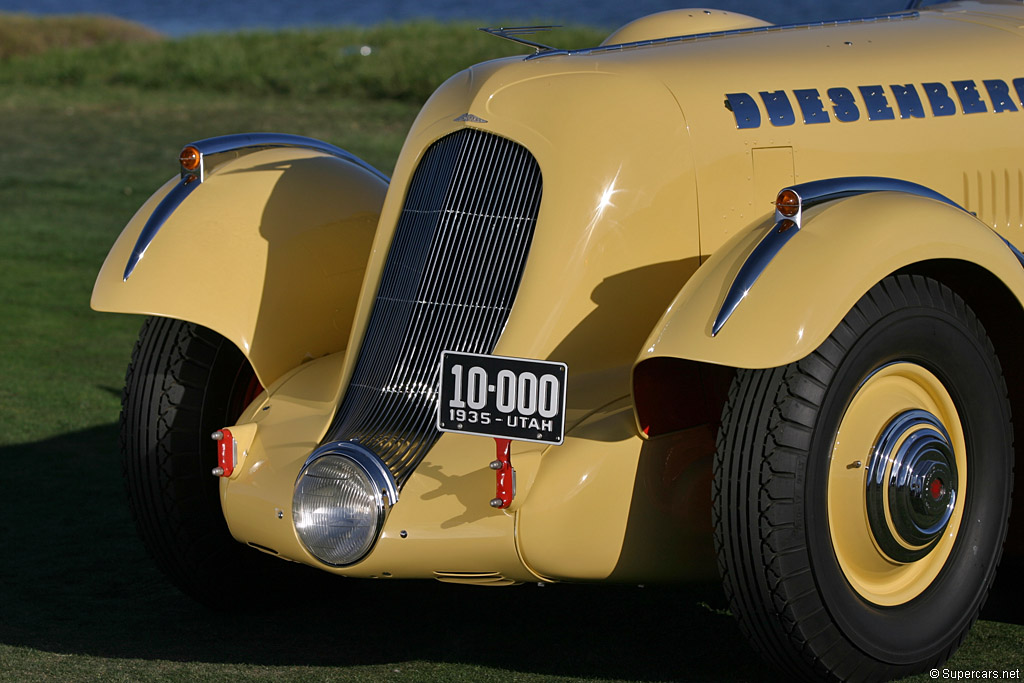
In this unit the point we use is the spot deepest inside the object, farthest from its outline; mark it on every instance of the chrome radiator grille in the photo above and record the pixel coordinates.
(449, 282)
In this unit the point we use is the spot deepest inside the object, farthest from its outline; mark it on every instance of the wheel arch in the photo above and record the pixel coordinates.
(816, 275)
(263, 231)
(844, 247)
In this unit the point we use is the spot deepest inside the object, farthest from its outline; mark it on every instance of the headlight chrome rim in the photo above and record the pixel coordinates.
(342, 497)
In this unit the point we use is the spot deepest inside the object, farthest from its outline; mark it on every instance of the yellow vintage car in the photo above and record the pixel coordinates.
(714, 297)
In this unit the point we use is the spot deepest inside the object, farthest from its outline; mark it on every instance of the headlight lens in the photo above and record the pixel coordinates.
(342, 496)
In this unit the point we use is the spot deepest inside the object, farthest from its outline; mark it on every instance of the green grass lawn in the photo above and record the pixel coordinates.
(84, 138)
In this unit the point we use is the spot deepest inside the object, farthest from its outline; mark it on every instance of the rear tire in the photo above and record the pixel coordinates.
(833, 568)
(183, 383)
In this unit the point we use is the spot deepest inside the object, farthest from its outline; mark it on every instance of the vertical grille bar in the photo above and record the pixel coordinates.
(449, 282)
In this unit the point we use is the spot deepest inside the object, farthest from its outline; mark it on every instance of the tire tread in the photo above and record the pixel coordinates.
(173, 394)
(763, 555)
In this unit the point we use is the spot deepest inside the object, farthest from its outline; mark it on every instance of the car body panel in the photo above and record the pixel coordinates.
(656, 185)
(843, 248)
(262, 232)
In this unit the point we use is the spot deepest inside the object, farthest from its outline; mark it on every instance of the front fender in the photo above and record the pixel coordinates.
(269, 250)
(842, 249)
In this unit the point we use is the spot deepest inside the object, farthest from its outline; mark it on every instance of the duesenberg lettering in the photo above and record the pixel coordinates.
(874, 104)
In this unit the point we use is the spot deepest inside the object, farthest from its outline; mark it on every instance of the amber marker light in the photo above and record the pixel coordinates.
(787, 203)
(189, 158)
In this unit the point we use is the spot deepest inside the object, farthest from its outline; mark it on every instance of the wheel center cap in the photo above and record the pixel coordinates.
(911, 487)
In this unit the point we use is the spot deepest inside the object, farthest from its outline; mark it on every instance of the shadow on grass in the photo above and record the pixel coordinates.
(74, 579)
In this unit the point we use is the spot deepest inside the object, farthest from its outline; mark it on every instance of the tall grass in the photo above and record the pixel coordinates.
(393, 61)
(24, 34)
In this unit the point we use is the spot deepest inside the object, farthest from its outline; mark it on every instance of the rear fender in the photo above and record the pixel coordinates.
(805, 287)
(266, 245)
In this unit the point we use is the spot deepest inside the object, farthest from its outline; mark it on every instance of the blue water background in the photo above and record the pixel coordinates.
(183, 18)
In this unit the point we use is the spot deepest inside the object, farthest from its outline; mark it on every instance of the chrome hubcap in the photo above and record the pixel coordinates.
(897, 484)
(911, 486)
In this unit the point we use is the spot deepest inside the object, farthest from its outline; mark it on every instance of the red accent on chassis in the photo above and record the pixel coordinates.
(505, 484)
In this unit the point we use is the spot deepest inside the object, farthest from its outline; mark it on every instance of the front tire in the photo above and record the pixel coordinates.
(183, 383)
(861, 494)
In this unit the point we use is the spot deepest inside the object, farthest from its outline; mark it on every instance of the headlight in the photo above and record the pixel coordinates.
(342, 497)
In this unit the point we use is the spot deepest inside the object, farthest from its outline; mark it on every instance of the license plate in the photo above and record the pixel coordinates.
(501, 397)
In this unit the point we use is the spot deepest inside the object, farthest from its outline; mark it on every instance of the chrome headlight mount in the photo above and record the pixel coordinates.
(342, 496)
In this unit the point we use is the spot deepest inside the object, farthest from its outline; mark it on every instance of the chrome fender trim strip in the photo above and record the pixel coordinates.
(811, 194)
(190, 180)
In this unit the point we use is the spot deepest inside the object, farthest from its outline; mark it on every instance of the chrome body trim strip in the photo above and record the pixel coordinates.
(163, 211)
(190, 180)
(239, 141)
(811, 194)
(821, 191)
(752, 267)
(1016, 252)
(717, 34)
(380, 475)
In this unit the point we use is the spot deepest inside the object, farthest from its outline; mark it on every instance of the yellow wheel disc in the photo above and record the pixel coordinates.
(896, 482)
